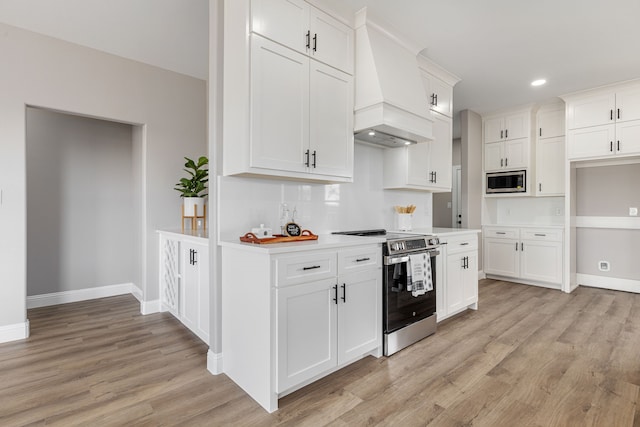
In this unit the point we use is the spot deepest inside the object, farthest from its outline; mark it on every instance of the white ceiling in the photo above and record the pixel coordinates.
(497, 47)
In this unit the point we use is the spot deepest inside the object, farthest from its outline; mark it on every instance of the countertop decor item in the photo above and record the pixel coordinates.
(279, 238)
(193, 191)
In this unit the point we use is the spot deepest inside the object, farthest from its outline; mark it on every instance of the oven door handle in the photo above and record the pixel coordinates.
(391, 260)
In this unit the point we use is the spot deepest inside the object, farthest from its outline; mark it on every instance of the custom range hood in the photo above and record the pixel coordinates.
(391, 107)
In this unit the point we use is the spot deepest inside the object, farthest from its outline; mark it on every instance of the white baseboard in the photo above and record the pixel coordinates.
(64, 297)
(626, 285)
(150, 307)
(17, 331)
(481, 275)
(214, 362)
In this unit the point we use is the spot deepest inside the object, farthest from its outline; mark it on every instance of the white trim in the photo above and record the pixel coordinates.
(548, 285)
(150, 307)
(17, 331)
(620, 222)
(481, 275)
(593, 163)
(78, 295)
(214, 362)
(626, 285)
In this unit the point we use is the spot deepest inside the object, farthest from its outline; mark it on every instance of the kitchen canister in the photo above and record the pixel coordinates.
(404, 221)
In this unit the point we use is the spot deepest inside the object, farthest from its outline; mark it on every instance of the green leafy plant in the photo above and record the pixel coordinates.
(196, 183)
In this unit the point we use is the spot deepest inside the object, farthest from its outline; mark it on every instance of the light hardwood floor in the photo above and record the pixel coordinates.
(529, 357)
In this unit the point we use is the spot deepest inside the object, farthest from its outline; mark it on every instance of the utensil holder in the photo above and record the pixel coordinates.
(404, 221)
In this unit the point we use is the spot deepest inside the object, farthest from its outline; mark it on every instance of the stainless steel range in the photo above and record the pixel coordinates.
(409, 287)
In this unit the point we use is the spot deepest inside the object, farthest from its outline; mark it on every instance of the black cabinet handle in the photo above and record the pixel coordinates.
(315, 42)
(618, 145)
(516, 246)
(464, 244)
(540, 187)
(193, 256)
(335, 290)
(435, 177)
(540, 131)
(344, 292)
(190, 256)
(436, 99)
(363, 259)
(313, 267)
(314, 159)
(506, 133)
(463, 266)
(501, 162)
(610, 114)
(433, 99)
(308, 39)
(521, 246)
(611, 146)
(618, 113)
(500, 232)
(506, 162)
(306, 163)
(501, 134)
(540, 234)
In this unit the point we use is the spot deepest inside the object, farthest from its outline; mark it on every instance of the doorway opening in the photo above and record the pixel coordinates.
(85, 208)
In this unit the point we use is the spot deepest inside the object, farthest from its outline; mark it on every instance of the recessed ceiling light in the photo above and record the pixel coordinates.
(407, 143)
(538, 82)
(372, 133)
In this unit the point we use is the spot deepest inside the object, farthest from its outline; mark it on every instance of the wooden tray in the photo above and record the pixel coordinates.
(278, 238)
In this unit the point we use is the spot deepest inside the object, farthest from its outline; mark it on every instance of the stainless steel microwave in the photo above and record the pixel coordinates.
(506, 182)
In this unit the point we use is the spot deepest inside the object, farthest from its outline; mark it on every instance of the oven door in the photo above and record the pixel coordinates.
(401, 308)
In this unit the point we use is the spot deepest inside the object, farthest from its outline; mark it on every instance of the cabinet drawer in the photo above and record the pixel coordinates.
(502, 232)
(362, 258)
(291, 270)
(552, 235)
(464, 243)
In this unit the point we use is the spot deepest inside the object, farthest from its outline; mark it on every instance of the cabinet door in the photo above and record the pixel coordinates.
(501, 257)
(331, 121)
(585, 143)
(493, 160)
(550, 123)
(541, 261)
(306, 332)
(628, 105)
(627, 138)
(279, 107)
(550, 166)
(417, 164)
(283, 21)
(359, 314)
(455, 282)
(331, 41)
(194, 312)
(470, 279)
(591, 111)
(517, 125)
(493, 130)
(440, 153)
(442, 102)
(516, 153)
(170, 275)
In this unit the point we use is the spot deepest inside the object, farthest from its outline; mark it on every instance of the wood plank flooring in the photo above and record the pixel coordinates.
(528, 357)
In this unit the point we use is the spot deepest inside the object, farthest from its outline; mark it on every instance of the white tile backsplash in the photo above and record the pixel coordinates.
(322, 208)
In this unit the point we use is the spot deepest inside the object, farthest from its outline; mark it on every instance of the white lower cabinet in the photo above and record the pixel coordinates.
(530, 255)
(459, 286)
(299, 316)
(184, 280)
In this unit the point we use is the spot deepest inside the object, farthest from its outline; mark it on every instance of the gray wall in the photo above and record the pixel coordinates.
(49, 73)
(80, 206)
(471, 162)
(607, 190)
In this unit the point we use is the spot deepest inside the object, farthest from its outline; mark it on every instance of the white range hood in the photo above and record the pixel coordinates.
(391, 106)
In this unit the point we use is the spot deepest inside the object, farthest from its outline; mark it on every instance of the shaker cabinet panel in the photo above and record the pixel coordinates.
(440, 153)
(585, 143)
(280, 106)
(550, 123)
(628, 104)
(283, 21)
(541, 261)
(493, 130)
(501, 257)
(550, 159)
(591, 111)
(627, 138)
(331, 41)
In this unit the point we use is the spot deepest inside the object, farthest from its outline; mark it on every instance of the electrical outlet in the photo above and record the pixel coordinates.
(633, 211)
(604, 265)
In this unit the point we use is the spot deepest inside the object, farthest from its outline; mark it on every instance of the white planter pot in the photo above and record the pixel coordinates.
(190, 203)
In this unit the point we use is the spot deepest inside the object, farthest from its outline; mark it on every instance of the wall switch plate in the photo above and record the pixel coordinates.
(633, 211)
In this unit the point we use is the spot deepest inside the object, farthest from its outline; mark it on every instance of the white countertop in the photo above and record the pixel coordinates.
(325, 241)
(558, 226)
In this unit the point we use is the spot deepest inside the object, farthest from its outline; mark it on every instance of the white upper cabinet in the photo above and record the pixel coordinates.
(440, 153)
(288, 92)
(306, 29)
(439, 93)
(604, 123)
(550, 151)
(507, 140)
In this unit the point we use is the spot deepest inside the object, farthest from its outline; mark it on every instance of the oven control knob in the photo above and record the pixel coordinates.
(433, 241)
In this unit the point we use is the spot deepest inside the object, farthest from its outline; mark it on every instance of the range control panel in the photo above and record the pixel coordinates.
(411, 245)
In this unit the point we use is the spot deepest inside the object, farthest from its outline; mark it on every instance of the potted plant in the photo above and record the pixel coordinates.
(193, 188)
